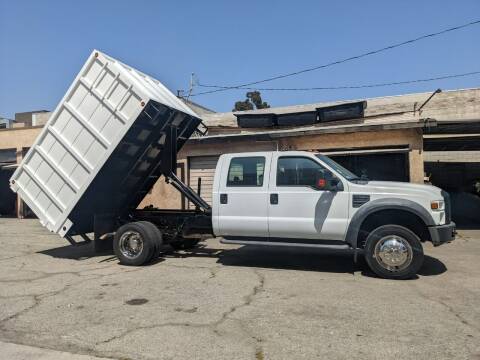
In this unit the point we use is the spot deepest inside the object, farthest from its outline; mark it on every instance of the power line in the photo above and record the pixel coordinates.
(341, 61)
(349, 86)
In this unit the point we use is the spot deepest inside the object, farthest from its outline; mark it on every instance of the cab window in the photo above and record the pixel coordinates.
(246, 171)
(301, 171)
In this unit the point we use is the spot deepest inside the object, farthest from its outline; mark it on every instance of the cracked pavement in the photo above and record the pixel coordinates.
(223, 301)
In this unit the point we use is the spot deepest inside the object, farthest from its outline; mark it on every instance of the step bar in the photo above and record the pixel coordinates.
(308, 243)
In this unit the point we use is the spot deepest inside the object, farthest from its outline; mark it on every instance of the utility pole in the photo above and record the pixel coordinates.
(192, 84)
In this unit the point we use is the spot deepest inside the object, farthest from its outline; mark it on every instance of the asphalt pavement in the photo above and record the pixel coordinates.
(232, 302)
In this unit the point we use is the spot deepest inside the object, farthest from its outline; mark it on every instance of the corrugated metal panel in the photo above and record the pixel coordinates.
(97, 111)
(366, 151)
(203, 167)
(452, 156)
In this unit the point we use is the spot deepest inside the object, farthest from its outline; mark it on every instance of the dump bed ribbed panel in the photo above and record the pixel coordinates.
(100, 110)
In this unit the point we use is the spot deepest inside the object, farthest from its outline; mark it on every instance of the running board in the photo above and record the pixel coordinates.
(276, 243)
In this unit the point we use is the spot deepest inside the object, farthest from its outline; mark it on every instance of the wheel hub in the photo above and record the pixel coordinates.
(131, 244)
(393, 253)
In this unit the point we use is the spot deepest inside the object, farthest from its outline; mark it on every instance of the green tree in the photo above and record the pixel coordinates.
(253, 101)
(243, 105)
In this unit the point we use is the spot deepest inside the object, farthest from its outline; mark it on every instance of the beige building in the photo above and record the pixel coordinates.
(396, 138)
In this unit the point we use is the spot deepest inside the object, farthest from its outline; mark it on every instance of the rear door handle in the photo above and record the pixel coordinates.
(274, 199)
(223, 198)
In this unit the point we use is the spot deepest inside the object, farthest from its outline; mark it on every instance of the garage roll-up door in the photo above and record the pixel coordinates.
(202, 167)
(376, 164)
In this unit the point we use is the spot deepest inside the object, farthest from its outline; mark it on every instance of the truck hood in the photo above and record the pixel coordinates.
(399, 188)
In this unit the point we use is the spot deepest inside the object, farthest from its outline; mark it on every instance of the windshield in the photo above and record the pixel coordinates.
(347, 174)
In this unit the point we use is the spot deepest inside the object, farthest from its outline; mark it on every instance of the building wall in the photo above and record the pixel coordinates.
(32, 118)
(40, 118)
(163, 195)
(19, 139)
(410, 137)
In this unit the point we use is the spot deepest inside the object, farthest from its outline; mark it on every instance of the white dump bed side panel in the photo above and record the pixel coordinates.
(154, 89)
(95, 113)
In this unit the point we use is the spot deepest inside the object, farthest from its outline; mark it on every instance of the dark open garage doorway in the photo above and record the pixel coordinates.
(7, 197)
(377, 166)
(462, 181)
(8, 158)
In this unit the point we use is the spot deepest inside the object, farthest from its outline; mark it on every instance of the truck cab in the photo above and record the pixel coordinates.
(297, 198)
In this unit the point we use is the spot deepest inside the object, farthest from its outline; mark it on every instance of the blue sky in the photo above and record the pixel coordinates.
(44, 43)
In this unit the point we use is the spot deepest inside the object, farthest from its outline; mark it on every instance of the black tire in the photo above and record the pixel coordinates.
(143, 233)
(407, 256)
(184, 244)
(156, 236)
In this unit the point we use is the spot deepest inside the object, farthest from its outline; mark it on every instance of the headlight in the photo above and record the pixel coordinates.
(438, 205)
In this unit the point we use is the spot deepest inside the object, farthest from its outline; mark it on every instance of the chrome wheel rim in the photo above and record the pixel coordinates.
(131, 244)
(393, 253)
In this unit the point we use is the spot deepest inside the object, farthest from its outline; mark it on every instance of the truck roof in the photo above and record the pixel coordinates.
(262, 153)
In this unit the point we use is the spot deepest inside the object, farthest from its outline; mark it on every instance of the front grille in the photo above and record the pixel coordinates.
(359, 200)
(448, 207)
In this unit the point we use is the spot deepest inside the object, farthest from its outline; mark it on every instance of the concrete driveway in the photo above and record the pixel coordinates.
(229, 302)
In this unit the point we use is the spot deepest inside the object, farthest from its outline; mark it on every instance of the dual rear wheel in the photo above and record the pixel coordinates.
(138, 243)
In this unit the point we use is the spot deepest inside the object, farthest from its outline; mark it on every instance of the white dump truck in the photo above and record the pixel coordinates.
(117, 131)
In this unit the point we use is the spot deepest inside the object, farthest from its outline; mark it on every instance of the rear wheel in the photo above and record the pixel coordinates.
(393, 252)
(156, 236)
(136, 243)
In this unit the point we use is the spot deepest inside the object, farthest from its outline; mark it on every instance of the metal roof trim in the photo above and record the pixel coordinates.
(313, 130)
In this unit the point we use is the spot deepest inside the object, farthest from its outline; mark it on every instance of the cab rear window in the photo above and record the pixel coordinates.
(246, 171)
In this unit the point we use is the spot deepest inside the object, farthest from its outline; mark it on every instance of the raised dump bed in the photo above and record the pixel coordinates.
(110, 138)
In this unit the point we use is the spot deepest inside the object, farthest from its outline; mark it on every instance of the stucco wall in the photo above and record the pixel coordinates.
(164, 195)
(18, 139)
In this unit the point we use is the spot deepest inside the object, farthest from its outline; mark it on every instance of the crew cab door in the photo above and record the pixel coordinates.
(304, 201)
(242, 199)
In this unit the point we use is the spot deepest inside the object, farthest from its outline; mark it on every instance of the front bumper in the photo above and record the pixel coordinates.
(442, 234)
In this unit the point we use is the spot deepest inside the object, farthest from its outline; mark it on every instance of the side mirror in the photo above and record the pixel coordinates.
(321, 184)
(326, 181)
(335, 184)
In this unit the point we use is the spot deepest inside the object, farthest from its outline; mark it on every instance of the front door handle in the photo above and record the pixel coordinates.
(274, 199)
(223, 198)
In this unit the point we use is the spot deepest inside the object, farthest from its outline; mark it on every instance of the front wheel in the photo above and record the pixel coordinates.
(393, 252)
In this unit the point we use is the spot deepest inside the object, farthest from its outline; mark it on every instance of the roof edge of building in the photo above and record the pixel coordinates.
(335, 102)
(274, 134)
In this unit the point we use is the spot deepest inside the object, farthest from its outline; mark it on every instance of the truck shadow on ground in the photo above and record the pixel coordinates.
(82, 252)
(278, 258)
(291, 258)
